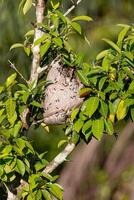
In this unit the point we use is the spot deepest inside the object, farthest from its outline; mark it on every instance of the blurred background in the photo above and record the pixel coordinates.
(100, 170)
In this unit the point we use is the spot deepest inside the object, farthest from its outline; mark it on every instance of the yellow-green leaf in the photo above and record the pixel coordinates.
(82, 18)
(76, 27)
(41, 39)
(98, 128)
(82, 77)
(109, 126)
(74, 114)
(78, 125)
(44, 48)
(121, 110)
(20, 167)
(11, 79)
(122, 35)
(58, 41)
(46, 195)
(16, 45)
(90, 106)
(102, 54)
(86, 126)
(27, 6)
(113, 45)
(56, 190)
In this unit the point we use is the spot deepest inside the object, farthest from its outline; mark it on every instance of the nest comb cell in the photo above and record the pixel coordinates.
(62, 95)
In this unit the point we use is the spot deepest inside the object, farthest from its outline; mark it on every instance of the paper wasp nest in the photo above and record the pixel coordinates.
(62, 95)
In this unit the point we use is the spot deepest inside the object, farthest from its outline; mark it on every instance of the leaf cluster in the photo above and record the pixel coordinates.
(18, 159)
(108, 88)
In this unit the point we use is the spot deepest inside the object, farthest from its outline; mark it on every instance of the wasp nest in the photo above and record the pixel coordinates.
(62, 95)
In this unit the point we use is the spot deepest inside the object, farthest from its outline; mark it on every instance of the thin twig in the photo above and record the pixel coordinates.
(13, 67)
(72, 7)
(60, 158)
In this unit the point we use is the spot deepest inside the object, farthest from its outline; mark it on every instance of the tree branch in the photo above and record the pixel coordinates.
(40, 8)
(59, 159)
(10, 195)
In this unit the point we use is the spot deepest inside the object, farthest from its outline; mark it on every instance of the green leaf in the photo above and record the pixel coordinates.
(82, 18)
(68, 130)
(102, 54)
(27, 50)
(129, 55)
(44, 47)
(82, 116)
(7, 169)
(84, 92)
(31, 196)
(10, 109)
(7, 150)
(75, 137)
(10, 80)
(109, 126)
(74, 114)
(16, 45)
(83, 77)
(46, 195)
(39, 165)
(115, 106)
(36, 104)
(1, 170)
(17, 128)
(41, 39)
(27, 6)
(90, 106)
(58, 41)
(2, 111)
(76, 27)
(56, 190)
(61, 143)
(106, 63)
(38, 195)
(55, 4)
(103, 109)
(20, 167)
(21, 4)
(121, 110)
(29, 33)
(86, 126)
(98, 128)
(113, 45)
(122, 35)
(67, 46)
(25, 96)
(78, 125)
(128, 72)
(20, 143)
(113, 96)
(101, 82)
